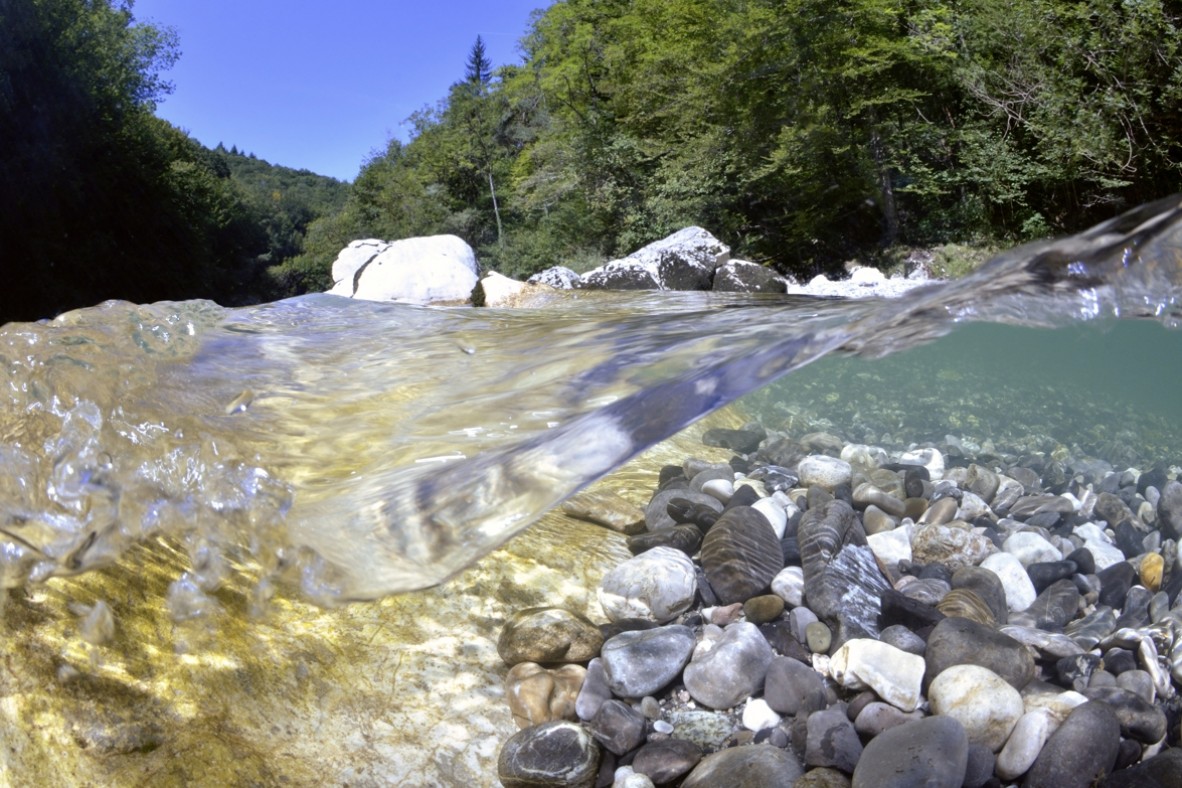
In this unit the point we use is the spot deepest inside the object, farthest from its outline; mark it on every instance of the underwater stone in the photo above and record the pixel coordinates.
(1024, 744)
(959, 641)
(731, 670)
(536, 694)
(1139, 719)
(1053, 608)
(551, 754)
(983, 702)
(618, 727)
(740, 555)
(831, 740)
(656, 514)
(606, 509)
(1020, 593)
(964, 603)
(951, 545)
(548, 634)
(895, 675)
(982, 482)
(930, 752)
(792, 687)
(643, 662)
(757, 766)
(656, 585)
(788, 584)
(827, 472)
(847, 594)
(685, 538)
(1169, 510)
(666, 760)
(1081, 749)
(987, 585)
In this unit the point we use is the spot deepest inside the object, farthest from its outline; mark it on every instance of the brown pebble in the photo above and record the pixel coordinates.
(1152, 566)
(762, 609)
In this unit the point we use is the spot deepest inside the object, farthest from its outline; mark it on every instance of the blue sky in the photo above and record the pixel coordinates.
(321, 85)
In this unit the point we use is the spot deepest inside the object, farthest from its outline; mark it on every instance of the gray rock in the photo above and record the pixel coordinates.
(741, 555)
(903, 639)
(757, 766)
(548, 634)
(980, 766)
(667, 760)
(1052, 609)
(959, 641)
(656, 514)
(1139, 719)
(618, 727)
(1080, 751)
(732, 670)
(643, 662)
(551, 754)
(877, 716)
(832, 741)
(593, 692)
(848, 593)
(792, 687)
(685, 260)
(987, 585)
(556, 276)
(931, 752)
(741, 276)
(656, 585)
(1169, 510)
(827, 472)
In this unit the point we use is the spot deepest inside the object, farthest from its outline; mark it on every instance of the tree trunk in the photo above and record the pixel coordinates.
(496, 211)
(886, 202)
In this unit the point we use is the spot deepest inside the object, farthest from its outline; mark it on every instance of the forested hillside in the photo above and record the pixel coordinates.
(801, 132)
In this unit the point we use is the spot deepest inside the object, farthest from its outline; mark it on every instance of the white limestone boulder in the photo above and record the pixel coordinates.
(432, 269)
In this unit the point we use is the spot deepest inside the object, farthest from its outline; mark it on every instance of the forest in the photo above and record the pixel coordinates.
(803, 133)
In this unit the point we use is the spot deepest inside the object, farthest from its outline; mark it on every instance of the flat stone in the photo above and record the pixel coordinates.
(731, 670)
(1139, 719)
(890, 547)
(593, 692)
(980, 700)
(755, 766)
(656, 514)
(987, 585)
(607, 509)
(550, 754)
(656, 585)
(931, 752)
(1053, 608)
(877, 716)
(762, 609)
(643, 662)
(548, 634)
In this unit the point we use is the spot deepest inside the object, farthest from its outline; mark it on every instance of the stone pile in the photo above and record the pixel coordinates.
(820, 613)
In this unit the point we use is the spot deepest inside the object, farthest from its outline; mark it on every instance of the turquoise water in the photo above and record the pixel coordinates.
(1110, 390)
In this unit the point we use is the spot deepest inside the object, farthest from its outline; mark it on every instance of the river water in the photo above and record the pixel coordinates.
(326, 450)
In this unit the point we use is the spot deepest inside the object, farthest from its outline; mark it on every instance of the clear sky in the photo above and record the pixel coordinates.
(320, 85)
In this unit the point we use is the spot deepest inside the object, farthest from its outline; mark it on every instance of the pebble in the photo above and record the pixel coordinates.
(666, 760)
(895, 675)
(791, 687)
(1024, 744)
(741, 555)
(640, 663)
(607, 509)
(827, 472)
(980, 700)
(832, 741)
(788, 584)
(549, 754)
(618, 727)
(1081, 749)
(960, 641)
(731, 670)
(537, 694)
(931, 752)
(548, 634)
(756, 766)
(949, 575)
(656, 585)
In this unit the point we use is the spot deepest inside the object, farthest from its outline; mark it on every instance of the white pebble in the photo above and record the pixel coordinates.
(757, 715)
(828, 472)
(789, 585)
(774, 513)
(720, 489)
(891, 547)
(1030, 548)
(929, 458)
(1020, 593)
(1024, 744)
